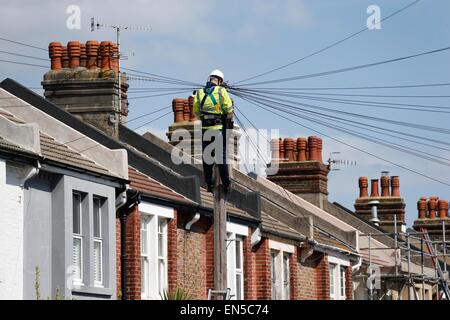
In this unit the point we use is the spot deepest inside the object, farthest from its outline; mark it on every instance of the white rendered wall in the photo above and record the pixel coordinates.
(11, 232)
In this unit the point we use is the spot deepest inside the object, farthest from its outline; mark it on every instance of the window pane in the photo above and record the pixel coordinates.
(76, 212)
(332, 268)
(98, 261)
(238, 253)
(238, 286)
(161, 237)
(273, 272)
(144, 242)
(97, 217)
(144, 275)
(162, 275)
(342, 281)
(286, 276)
(76, 258)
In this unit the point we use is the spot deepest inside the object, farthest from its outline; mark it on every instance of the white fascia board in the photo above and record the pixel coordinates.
(340, 261)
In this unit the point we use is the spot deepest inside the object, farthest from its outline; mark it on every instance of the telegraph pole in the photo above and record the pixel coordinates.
(220, 237)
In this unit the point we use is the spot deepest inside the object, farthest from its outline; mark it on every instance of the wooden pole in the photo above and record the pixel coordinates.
(220, 236)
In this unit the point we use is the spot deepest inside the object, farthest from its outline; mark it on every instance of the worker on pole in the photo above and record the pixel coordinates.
(214, 107)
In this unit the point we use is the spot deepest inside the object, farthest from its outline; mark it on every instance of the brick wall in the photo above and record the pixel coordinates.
(262, 270)
(293, 271)
(308, 277)
(208, 248)
(172, 252)
(323, 278)
(191, 257)
(349, 283)
(133, 237)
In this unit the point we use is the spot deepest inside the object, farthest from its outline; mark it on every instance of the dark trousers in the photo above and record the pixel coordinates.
(223, 165)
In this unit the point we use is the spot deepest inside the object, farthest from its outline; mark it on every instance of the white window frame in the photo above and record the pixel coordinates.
(280, 249)
(78, 236)
(98, 239)
(152, 214)
(339, 279)
(236, 233)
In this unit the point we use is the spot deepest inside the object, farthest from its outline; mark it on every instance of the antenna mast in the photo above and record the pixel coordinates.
(118, 28)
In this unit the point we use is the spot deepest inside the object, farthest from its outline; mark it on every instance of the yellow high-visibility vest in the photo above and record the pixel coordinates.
(224, 104)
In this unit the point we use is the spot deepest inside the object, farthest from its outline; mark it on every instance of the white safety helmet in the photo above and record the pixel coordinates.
(217, 73)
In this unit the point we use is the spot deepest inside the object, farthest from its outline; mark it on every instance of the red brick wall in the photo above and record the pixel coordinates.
(208, 248)
(172, 252)
(133, 237)
(349, 283)
(262, 270)
(323, 278)
(293, 272)
(191, 256)
(308, 276)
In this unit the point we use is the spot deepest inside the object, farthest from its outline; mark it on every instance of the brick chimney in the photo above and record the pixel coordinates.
(83, 80)
(390, 201)
(185, 120)
(432, 214)
(301, 169)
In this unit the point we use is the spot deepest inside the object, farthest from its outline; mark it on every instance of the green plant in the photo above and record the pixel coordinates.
(37, 283)
(177, 294)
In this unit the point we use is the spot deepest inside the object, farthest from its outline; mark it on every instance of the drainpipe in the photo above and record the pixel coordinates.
(122, 201)
(31, 173)
(356, 267)
(130, 202)
(192, 221)
(255, 237)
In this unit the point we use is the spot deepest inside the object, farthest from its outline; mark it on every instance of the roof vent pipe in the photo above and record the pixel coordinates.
(373, 207)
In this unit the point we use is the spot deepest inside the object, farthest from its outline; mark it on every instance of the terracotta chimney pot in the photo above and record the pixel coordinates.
(282, 154)
(106, 51)
(302, 145)
(313, 148)
(395, 186)
(92, 52)
(74, 54)
(432, 204)
(186, 110)
(443, 209)
(385, 186)
(363, 187)
(55, 54)
(422, 207)
(83, 55)
(374, 193)
(64, 57)
(178, 109)
(275, 146)
(289, 149)
(319, 149)
(192, 116)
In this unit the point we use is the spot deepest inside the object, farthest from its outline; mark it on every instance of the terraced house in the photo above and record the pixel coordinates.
(149, 212)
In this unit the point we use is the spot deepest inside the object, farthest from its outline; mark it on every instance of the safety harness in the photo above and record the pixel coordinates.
(211, 119)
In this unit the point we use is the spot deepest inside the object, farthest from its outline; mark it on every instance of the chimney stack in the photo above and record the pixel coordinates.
(77, 85)
(389, 204)
(302, 172)
(435, 219)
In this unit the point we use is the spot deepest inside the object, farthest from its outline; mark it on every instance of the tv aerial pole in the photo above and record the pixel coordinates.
(118, 29)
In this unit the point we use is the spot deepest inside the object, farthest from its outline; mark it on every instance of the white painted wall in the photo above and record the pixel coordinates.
(11, 232)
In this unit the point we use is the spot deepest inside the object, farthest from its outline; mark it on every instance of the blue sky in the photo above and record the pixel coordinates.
(243, 38)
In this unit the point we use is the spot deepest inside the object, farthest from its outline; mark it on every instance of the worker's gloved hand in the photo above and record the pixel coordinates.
(230, 123)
